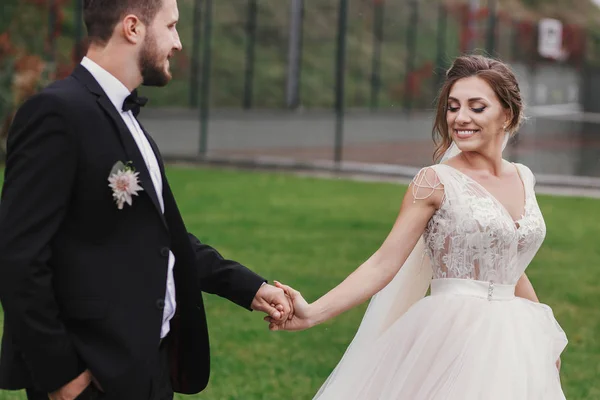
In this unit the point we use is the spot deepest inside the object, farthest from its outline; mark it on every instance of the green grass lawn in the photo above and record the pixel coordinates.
(311, 233)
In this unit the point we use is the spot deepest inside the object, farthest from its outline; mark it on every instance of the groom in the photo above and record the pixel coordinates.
(99, 280)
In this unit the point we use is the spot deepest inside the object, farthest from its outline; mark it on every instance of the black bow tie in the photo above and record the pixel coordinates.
(133, 102)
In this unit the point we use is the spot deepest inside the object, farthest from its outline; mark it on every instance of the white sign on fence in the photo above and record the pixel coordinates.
(551, 38)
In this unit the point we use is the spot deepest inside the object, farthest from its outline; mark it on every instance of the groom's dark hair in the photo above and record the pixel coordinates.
(101, 16)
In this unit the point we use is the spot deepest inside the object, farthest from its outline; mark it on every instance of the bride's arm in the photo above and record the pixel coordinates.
(422, 199)
(524, 289)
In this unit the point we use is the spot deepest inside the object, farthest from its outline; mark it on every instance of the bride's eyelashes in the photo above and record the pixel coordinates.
(476, 110)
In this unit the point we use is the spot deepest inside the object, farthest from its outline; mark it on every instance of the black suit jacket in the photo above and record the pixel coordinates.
(82, 283)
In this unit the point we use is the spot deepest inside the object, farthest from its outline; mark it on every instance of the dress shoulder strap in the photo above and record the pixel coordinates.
(527, 175)
(425, 183)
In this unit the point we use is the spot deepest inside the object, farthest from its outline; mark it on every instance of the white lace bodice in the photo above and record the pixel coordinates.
(472, 235)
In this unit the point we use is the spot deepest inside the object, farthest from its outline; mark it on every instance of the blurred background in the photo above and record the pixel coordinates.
(342, 84)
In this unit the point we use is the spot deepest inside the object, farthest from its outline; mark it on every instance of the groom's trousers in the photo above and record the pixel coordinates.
(161, 384)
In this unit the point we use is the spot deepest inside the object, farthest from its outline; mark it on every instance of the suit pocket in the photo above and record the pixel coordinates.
(84, 308)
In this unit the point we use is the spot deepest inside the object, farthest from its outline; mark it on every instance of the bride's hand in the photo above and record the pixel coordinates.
(300, 319)
(558, 363)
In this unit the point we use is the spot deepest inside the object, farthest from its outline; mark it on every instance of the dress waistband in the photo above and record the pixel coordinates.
(469, 287)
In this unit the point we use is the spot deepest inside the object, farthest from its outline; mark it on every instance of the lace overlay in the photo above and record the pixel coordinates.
(472, 235)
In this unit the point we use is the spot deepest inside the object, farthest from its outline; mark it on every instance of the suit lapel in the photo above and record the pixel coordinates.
(171, 211)
(168, 197)
(156, 152)
(131, 148)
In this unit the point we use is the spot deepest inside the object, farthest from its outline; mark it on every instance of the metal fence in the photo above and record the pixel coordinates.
(329, 81)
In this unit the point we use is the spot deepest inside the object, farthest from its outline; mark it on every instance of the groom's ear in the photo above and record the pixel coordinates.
(133, 29)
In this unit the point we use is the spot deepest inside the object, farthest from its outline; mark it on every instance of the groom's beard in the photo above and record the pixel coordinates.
(151, 64)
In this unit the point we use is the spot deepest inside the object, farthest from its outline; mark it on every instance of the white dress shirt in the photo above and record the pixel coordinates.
(117, 92)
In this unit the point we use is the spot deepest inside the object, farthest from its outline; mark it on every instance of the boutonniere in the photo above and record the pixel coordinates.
(124, 182)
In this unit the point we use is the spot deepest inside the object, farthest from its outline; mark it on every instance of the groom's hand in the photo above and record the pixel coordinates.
(302, 317)
(272, 301)
(74, 388)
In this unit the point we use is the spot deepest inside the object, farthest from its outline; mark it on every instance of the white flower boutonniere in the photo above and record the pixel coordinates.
(124, 182)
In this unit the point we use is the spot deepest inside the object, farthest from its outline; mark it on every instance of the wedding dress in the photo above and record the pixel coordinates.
(471, 338)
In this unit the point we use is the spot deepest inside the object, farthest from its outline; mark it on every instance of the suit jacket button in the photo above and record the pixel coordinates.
(160, 304)
(164, 252)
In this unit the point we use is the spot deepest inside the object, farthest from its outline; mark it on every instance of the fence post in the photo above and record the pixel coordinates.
(340, 68)
(294, 54)
(378, 8)
(250, 46)
(205, 84)
(491, 34)
(78, 30)
(441, 45)
(514, 37)
(195, 61)
(411, 50)
(51, 30)
(472, 22)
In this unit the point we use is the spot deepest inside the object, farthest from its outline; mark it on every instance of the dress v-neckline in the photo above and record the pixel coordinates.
(516, 223)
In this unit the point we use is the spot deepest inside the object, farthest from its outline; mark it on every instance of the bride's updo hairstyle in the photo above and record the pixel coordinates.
(501, 79)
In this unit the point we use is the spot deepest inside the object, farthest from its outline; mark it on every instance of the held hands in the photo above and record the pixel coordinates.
(273, 301)
(286, 308)
(302, 316)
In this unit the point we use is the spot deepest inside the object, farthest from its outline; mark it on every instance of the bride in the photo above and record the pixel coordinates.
(468, 228)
